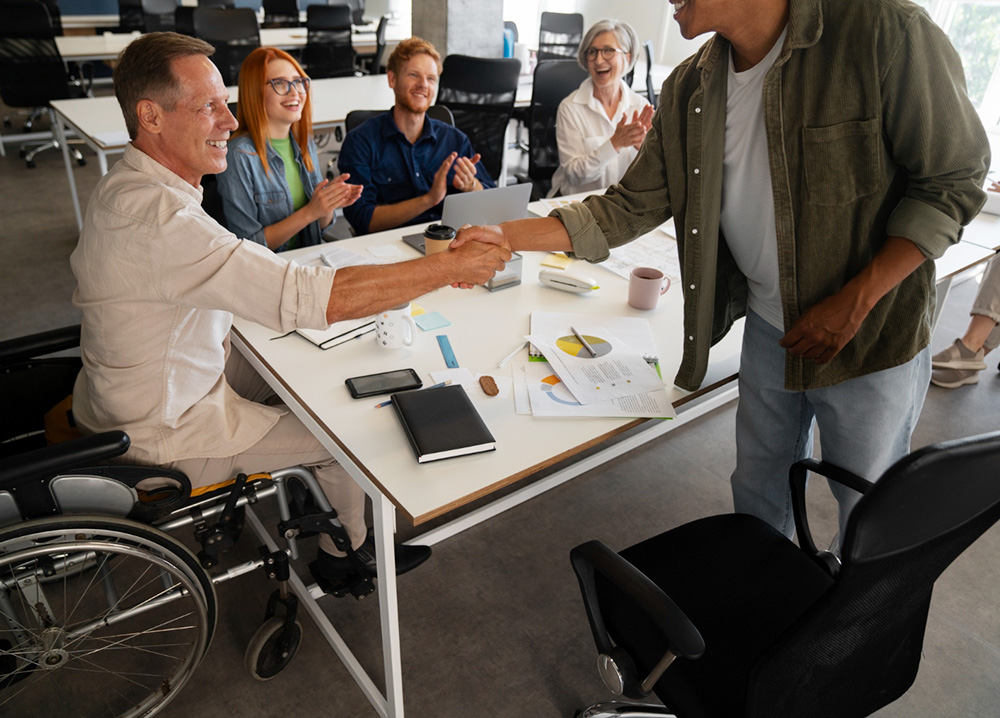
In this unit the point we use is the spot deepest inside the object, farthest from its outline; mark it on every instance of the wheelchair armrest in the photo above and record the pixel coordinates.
(589, 558)
(35, 345)
(50, 460)
(797, 476)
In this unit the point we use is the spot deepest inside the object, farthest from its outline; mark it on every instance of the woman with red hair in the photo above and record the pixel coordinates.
(273, 192)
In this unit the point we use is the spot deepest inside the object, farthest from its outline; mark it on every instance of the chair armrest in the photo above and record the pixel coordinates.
(797, 476)
(36, 345)
(592, 557)
(50, 460)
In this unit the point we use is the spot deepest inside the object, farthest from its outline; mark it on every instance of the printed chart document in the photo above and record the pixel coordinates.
(539, 391)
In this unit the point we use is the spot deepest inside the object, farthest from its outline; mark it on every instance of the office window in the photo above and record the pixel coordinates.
(974, 29)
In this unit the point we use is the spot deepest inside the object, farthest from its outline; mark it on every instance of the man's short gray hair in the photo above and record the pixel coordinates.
(624, 33)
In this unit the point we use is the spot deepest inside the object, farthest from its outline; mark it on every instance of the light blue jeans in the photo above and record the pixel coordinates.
(865, 425)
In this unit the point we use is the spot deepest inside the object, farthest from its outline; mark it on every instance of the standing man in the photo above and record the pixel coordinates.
(159, 281)
(815, 154)
(407, 161)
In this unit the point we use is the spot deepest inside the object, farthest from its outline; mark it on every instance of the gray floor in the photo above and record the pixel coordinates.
(492, 625)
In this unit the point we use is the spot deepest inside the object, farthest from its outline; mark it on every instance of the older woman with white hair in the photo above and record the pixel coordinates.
(601, 125)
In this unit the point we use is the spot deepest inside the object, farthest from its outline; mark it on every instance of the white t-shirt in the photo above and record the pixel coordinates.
(747, 201)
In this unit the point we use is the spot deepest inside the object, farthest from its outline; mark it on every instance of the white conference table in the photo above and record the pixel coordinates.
(485, 326)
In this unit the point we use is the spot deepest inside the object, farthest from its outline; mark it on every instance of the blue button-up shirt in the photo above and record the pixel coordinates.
(378, 155)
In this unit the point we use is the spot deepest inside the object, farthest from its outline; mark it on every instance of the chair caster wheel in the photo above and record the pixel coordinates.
(22, 153)
(31, 164)
(269, 652)
(82, 162)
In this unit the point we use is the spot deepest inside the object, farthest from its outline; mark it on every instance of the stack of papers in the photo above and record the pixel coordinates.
(614, 377)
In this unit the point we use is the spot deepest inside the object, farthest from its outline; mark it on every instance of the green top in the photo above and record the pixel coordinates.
(299, 200)
(870, 134)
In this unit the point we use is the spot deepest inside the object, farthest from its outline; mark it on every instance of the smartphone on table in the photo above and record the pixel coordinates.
(385, 382)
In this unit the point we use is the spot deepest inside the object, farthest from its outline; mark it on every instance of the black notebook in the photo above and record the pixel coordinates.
(441, 423)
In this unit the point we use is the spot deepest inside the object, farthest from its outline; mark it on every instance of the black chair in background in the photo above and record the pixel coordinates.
(371, 63)
(184, 20)
(32, 72)
(328, 51)
(158, 15)
(480, 93)
(234, 34)
(281, 13)
(559, 35)
(651, 94)
(129, 16)
(357, 9)
(554, 81)
(760, 627)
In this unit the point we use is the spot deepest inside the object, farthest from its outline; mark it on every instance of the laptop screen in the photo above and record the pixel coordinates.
(488, 206)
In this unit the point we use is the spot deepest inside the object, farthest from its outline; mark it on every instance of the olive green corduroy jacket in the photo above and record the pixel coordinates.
(870, 135)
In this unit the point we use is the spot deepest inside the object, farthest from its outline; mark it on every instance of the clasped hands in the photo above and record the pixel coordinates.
(631, 134)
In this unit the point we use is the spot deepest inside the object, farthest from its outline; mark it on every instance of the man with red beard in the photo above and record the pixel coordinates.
(407, 161)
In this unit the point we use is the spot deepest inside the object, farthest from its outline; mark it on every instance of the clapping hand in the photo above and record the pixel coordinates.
(631, 134)
(465, 179)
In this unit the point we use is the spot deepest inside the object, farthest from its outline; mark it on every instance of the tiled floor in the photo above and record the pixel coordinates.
(492, 625)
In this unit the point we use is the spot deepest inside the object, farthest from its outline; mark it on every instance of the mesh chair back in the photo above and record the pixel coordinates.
(356, 118)
(184, 20)
(328, 51)
(234, 34)
(130, 15)
(480, 93)
(554, 81)
(867, 633)
(357, 11)
(559, 35)
(158, 15)
(281, 13)
(651, 94)
(32, 72)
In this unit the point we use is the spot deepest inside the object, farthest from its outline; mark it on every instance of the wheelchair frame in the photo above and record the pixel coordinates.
(87, 596)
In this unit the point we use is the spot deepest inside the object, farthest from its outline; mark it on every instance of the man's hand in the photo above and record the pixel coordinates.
(995, 187)
(465, 179)
(825, 328)
(476, 262)
(439, 188)
(631, 134)
(489, 234)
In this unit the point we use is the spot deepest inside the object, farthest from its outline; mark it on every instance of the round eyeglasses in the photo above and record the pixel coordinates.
(606, 52)
(283, 87)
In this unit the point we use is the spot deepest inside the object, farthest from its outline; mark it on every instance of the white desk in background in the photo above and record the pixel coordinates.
(99, 123)
(485, 326)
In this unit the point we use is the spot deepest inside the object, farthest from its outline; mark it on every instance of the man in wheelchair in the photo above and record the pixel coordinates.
(159, 281)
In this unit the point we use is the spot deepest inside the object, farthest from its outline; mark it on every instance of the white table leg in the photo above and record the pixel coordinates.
(385, 527)
(57, 126)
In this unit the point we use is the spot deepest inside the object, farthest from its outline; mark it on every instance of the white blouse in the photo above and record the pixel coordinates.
(587, 159)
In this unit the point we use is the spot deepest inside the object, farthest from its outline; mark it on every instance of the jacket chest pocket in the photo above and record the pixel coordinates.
(841, 161)
(269, 199)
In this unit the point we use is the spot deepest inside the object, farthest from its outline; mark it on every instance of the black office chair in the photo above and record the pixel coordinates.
(32, 72)
(184, 20)
(328, 51)
(158, 15)
(554, 81)
(281, 13)
(760, 627)
(357, 9)
(559, 35)
(651, 94)
(480, 93)
(371, 63)
(234, 34)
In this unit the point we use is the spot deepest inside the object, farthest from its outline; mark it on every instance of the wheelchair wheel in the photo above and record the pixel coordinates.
(267, 655)
(98, 617)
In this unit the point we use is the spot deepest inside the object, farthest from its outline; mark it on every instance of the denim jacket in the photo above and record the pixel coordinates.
(252, 200)
(870, 134)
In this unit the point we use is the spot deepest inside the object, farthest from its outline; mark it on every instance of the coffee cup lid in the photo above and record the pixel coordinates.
(439, 231)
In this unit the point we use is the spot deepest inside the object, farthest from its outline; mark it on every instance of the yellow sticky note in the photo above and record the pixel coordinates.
(559, 261)
(416, 310)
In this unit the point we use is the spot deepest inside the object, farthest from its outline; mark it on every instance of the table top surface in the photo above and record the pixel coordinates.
(484, 328)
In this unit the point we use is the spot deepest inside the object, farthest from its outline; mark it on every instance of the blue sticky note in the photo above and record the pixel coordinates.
(431, 320)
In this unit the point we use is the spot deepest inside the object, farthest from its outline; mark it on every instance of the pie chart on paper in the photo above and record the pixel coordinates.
(553, 388)
(572, 346)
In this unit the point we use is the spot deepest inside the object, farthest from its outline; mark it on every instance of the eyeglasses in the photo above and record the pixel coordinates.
(283, 87)
(606, 52)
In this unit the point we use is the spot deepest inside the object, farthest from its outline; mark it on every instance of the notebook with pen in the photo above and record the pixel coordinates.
(442, 423)
(339, 332)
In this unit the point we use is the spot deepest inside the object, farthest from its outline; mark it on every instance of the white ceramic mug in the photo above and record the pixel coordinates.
(395, 328)
(645, 287)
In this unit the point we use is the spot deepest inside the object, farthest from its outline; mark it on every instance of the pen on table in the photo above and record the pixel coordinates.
(506, 360)
(584, 342)
(326, 345)
(435, 386)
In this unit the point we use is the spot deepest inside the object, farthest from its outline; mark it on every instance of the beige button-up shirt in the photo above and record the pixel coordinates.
(158, 284)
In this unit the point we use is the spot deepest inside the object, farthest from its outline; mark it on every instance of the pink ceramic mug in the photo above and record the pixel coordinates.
(645, 286)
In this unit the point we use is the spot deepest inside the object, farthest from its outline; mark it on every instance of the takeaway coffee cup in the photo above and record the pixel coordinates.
(437, 237)
(645, 286)
(395, 328)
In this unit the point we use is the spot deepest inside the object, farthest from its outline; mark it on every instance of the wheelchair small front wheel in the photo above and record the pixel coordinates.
(271, 650)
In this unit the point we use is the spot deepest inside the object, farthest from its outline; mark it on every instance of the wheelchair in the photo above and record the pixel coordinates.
(100, 605)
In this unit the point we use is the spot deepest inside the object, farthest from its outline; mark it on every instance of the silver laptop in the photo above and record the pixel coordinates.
(488, 206)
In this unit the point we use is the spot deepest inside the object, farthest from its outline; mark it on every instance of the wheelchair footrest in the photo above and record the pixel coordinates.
(357, 586)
